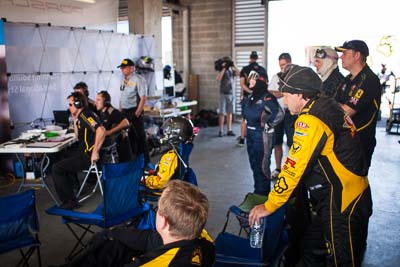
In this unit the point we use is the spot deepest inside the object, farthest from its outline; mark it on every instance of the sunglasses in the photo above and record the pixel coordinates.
(122, 87)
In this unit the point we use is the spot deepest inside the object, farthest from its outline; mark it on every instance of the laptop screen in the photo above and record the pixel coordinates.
(61, 118)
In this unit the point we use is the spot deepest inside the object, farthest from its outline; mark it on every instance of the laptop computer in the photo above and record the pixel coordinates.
(61, 118)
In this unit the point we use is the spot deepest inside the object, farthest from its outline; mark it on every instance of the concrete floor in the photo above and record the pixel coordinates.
(224, 174)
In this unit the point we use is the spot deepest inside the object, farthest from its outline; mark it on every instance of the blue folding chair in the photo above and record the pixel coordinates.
(19, 226)
(120, 202)
(234, 250)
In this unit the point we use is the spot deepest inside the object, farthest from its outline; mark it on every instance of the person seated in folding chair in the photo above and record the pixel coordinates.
(180, 239)
(115, 124)
(327, 156)
(178, 133)
(90, 134)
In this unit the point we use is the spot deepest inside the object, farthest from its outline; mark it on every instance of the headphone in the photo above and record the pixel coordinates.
(107, 98)
(79, 101)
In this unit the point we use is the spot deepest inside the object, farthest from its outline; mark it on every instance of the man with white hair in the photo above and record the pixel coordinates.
(325, 60)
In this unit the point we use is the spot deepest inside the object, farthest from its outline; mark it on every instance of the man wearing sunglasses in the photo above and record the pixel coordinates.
(90, 134)
(360, 93)
(325, 60)
(133, 97)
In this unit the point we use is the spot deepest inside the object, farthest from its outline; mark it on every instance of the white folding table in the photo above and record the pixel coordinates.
(45, 148)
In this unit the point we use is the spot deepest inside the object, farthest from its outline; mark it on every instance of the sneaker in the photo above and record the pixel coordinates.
(231, 133)
(220, 134)
(241, 142)
(275, 174)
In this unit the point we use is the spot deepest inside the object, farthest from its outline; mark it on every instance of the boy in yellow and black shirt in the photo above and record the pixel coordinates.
(327, 156)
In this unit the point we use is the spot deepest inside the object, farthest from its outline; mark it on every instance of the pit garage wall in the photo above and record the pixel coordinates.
(44, 63)
(103, 14)
(210, 26)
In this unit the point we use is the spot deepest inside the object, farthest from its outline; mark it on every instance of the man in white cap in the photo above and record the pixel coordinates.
(325, 60)
(327, 156)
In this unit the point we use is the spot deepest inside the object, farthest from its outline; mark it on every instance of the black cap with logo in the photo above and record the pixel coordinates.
(126, 62)
(356, 45)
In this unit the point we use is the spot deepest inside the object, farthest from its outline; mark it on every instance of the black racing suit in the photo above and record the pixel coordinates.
(327, 155)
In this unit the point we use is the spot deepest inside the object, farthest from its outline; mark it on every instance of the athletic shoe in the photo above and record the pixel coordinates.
(231, 133)
(241, 142)
(220, 134)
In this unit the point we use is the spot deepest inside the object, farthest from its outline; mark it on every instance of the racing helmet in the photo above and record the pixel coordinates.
(177, 130)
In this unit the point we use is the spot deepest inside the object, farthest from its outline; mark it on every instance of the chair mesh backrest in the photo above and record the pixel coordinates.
(18, 216)
(121, 184)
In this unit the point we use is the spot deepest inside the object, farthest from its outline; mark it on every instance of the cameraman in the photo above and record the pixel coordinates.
(226, 77)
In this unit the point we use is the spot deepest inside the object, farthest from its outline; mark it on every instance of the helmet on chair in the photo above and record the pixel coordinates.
(177, 130)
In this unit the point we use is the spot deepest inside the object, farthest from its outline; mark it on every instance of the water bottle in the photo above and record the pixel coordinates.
(256, 234)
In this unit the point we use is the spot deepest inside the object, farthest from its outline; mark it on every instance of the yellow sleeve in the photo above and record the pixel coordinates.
(165, 170)
(308, 140)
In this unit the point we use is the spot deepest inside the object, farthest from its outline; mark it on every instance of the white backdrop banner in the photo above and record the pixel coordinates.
(44, 63)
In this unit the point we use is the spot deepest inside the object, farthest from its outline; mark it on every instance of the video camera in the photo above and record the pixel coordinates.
(218, 63)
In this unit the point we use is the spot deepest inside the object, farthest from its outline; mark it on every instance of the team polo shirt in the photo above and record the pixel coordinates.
(363, 94)
(87, 124)
(131, 89)
(244, 73)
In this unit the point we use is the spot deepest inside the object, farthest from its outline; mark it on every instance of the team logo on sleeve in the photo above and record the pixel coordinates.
(197, 257)
(92, 122)
(280, 186)
(296, 147)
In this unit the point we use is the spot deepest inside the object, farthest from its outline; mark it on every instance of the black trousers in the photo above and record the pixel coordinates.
(137, 135)
(335, 238)
(64, 174)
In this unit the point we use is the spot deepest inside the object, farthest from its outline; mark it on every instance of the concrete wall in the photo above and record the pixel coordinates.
(210, 26)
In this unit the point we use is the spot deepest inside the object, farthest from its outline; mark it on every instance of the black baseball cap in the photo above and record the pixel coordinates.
(126, 62)
(295, 79)
(254, 54)
(356, 45)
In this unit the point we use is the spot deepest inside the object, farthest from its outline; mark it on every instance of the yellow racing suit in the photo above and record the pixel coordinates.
(327, 156)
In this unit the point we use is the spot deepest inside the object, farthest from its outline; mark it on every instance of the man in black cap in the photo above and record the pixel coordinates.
(133, 97)
(360, 93)
(245, 90)
(327, 156)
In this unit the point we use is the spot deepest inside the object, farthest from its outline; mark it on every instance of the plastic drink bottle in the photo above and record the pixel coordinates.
(256, 234)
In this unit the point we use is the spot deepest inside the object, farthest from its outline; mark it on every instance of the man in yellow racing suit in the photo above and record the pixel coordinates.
(327, 156)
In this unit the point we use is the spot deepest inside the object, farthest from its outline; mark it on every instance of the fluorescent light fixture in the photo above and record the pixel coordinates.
(87, 1)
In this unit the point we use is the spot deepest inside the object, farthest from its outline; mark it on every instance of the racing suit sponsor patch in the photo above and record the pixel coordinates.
(280, 186)
(286, 170)
(359, 93)
(300, 133)
(296, 147)
(301, 125)
(291, 162)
